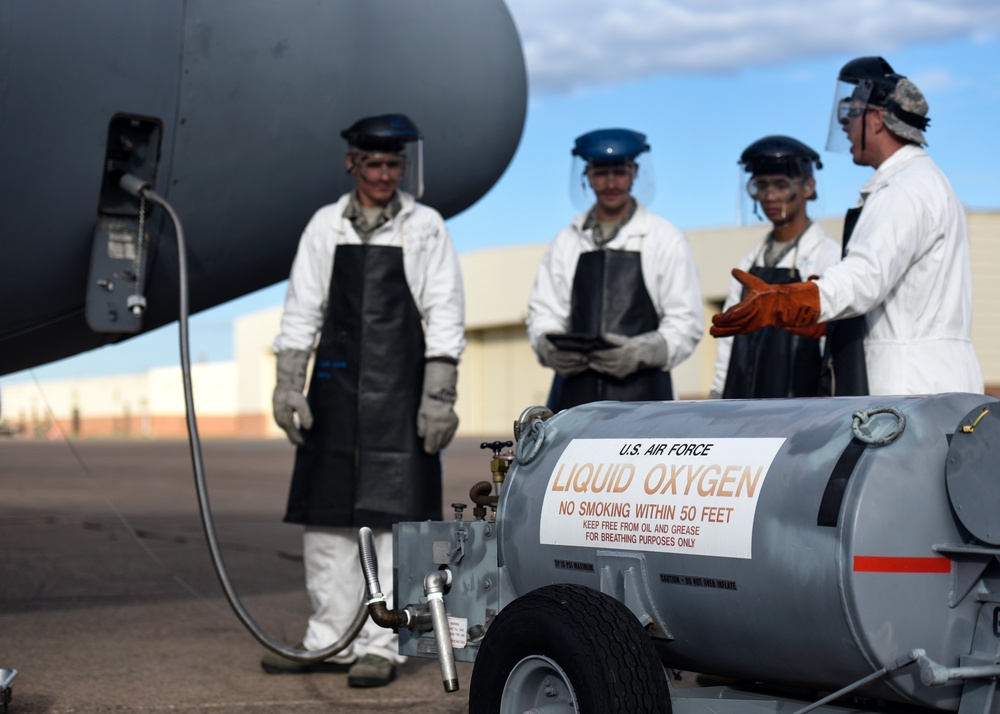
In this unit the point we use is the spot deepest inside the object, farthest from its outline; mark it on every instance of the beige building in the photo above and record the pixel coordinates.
(498, 378)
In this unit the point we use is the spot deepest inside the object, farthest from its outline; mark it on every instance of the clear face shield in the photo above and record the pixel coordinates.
(634, 177)
(405, 168)
(849, 103)
(412, 178)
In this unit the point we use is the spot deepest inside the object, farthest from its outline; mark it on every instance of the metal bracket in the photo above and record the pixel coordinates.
(623, 577)
(114, 300)
(970, 563)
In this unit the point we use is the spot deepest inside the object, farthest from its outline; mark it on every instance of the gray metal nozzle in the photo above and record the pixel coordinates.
(132, 184)
(435, 583)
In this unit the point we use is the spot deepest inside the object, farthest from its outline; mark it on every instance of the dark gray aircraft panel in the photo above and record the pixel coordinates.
(65, 69)
(248, 98)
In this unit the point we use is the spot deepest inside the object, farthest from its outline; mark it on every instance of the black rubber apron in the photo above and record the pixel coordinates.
(362, 463)
(845, 372)
(609, 295)
(773, 362)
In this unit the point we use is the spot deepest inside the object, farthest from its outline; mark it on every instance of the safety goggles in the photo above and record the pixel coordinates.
(779, 187)
(375, 167)
(846, 112)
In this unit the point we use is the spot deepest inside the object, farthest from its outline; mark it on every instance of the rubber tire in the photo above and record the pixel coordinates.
(597, 641)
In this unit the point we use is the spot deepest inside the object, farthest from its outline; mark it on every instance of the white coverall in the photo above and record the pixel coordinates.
(333, 574)
(909, 272)
(668, 270)
(815, 253)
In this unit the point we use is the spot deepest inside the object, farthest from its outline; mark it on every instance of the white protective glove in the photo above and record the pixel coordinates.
(630, 354)
(288, 399)
(436, 419)
(566, 363)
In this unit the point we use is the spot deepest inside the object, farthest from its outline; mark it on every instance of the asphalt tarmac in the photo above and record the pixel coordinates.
(109, 602)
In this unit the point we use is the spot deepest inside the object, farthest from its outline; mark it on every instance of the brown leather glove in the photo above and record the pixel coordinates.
(813, 331)
(765, 305)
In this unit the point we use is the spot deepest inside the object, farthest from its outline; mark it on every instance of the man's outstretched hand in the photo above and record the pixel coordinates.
(794, 305)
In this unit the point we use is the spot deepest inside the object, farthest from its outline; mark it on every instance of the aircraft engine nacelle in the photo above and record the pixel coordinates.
(238, 107)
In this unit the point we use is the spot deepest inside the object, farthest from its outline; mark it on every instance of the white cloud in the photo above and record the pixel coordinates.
(940, 81)
(570, 44)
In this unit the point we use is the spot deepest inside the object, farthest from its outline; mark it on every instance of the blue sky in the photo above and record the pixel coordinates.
(702, 79)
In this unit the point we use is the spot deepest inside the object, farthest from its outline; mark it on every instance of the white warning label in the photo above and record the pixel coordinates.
(676, 496)
(458, 628)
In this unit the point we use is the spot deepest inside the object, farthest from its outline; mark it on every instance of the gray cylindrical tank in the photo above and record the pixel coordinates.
(774, 545)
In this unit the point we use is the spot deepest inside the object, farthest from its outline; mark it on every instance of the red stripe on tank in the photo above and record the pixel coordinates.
(886, 564)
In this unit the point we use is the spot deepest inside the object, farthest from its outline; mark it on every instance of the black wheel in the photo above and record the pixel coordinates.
(567, 648)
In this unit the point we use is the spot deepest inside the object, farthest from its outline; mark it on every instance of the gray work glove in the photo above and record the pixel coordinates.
(566, 363)
(288, 399)
(436, 419)
(630, 354)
